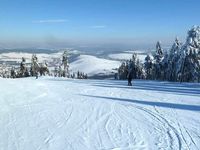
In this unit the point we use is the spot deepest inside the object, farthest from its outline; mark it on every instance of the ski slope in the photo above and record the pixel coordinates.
(65, 114)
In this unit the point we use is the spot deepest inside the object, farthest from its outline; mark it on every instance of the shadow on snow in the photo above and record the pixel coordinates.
(191, 89)
(150, 103)
(175, 88)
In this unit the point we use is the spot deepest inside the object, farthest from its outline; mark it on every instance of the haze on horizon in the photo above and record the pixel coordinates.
(94, 23)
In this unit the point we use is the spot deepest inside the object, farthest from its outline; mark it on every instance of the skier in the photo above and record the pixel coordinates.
(130, 73)
(36, 75)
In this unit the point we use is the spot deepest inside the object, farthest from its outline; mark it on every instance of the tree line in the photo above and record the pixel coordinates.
(36, 69)
(181, 63)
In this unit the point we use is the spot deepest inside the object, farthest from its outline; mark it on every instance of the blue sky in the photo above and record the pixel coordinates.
(95, 21)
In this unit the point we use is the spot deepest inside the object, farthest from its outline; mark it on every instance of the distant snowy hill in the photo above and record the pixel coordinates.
(60, 113)
(93, 65)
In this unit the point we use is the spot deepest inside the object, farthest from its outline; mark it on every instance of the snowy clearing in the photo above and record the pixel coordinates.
(58, 114)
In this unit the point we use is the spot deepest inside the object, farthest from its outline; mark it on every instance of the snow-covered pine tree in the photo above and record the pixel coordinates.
(56, 71)
(133, 63)
(3, 70)
(65, 64)
(164, 66)
(157, 62)
(189, 69)
(44, 69)
(23, 70)
(35, 68)
(174, 55)
(140, 72)
(60, 72)
(148, 64)
(133, 66)
(122, 71)
(13, 73)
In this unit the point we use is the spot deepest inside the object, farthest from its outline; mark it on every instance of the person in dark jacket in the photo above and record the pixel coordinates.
(130, 77)
(130, 73)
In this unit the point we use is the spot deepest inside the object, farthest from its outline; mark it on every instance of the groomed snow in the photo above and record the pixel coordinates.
(66, 114)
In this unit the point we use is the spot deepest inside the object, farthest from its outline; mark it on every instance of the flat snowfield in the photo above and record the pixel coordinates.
(66, 114)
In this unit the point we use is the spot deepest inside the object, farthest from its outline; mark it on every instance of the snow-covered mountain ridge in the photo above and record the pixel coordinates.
(89, 64)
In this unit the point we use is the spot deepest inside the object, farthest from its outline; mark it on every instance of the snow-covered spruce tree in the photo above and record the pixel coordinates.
(23, 69)
(133, 64)
(123, 71)
(174, 55)
(133, 67)
(189, 68)
(64, 67)
(157, 65)
(4, 70)
(148, 65)
(44, 69)
(56, 72)
(35, 68)
(139, 69)
(164, 66)
(38, 68)
(13, 73)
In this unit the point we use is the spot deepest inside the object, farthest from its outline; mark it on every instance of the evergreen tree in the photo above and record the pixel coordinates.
(23, 68)
(13, 73)
(174, 56)
(134, 64)
(157, 62)
(189, 59)
(164, 66)
(148, 65)
(133, 67)
(122, 71)
(35, 68)
(65, 64)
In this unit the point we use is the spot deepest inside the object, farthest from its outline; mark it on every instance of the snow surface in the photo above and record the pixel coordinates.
(66, 114)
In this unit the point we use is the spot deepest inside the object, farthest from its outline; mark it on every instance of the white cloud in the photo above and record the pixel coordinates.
(98, 27)
(50, 21)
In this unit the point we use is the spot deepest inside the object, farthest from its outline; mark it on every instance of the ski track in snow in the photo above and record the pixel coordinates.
(53, 113)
